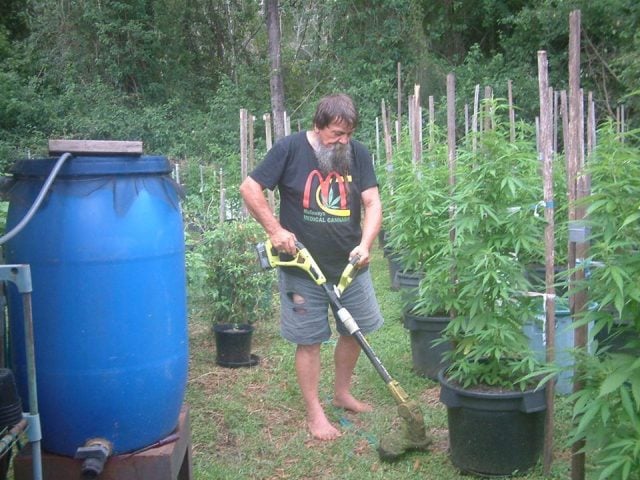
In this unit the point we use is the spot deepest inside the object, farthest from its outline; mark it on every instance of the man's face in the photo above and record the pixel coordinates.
(334, 133)
(334, 153)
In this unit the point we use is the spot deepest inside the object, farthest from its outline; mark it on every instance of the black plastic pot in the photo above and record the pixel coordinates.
(393, 259)
(493, 433)
(619, 338)
(408, 283)
(233, 345)
(423, 330)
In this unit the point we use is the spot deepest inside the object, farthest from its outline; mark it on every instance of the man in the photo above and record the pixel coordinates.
(329, 201)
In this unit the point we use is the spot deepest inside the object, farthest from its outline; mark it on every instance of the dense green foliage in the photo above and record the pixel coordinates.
(225, 280)
(606, 408)
(497, 231)
(174, 74)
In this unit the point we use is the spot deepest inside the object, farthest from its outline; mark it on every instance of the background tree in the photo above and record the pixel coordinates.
(174, 73)
(272, 16)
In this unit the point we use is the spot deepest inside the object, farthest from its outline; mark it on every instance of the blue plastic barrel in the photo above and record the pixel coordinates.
(106, 250)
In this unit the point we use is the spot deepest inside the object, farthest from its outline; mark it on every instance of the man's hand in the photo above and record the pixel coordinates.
(363, 253)
(284, 242)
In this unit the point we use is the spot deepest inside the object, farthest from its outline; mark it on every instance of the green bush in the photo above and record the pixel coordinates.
(225, 278)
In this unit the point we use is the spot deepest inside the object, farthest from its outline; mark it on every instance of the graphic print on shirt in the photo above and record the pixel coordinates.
(326, 200)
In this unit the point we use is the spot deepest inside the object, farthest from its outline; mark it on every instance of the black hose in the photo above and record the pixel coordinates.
(38, 201)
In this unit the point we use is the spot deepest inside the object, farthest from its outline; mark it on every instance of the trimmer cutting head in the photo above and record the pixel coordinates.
(411, 436)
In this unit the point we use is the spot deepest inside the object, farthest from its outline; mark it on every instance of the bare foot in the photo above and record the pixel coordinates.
(322, 429)
(349, 402)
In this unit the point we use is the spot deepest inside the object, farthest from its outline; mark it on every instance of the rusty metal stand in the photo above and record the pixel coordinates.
(167, 462)
(20, 275)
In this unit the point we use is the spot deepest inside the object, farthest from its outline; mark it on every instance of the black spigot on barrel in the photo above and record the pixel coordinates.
(95, 454)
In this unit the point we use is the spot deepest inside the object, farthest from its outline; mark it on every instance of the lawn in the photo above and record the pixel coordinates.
(248, 423)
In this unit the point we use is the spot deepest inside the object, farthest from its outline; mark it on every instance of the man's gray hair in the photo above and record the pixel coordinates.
(338, 107)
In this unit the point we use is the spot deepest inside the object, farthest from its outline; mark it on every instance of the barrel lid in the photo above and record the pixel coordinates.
(94, 165)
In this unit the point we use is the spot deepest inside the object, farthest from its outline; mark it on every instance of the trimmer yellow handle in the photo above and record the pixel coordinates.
(269, 258)
(348, 274)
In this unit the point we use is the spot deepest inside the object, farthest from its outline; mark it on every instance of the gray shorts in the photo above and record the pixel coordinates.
(307, 323)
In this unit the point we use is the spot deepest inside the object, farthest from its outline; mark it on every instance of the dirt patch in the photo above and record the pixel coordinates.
(431, 396)
(440, 438)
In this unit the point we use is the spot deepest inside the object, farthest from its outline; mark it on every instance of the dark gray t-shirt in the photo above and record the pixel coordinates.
(323, 212)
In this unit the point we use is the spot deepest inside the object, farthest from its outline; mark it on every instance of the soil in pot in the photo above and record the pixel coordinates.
(233, 345)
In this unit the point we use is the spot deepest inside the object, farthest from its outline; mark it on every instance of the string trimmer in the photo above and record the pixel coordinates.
(413, 436)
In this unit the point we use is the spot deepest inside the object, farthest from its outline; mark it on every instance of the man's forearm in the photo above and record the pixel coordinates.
(253, 196)
(372, 220)
(258, 206)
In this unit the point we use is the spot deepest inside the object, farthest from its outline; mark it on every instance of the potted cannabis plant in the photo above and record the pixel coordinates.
(490, 359)
(237, 292)
(421, 211)
(607, 405)
(414, 195)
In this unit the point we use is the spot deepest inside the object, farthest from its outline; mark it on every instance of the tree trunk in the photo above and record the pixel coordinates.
(275, 79)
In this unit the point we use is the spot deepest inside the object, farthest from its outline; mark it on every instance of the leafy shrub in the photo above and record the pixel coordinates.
(225, 277)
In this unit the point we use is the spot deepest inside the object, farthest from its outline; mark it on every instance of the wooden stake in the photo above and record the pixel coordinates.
(267, 130)
(399, 118)
(556, 114)
(577, 251)
(432, 121)
(488, 109)
(251, 160)
(244, 141)
(419, 119)
(451, 127)
(512, 113)
(223, 199)
(416, 127)
(388, 147)
(591, 125)
(537, 122)
(474, 121)
(451, 155)
(622, 123)
(244, 158)
(466, 121)
(411, 124)
(546, 156)
(287, 124)
(378, 137)
(271, 199)
(564, 113)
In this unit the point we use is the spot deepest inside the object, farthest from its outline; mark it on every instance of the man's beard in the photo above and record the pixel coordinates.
(336, 158)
